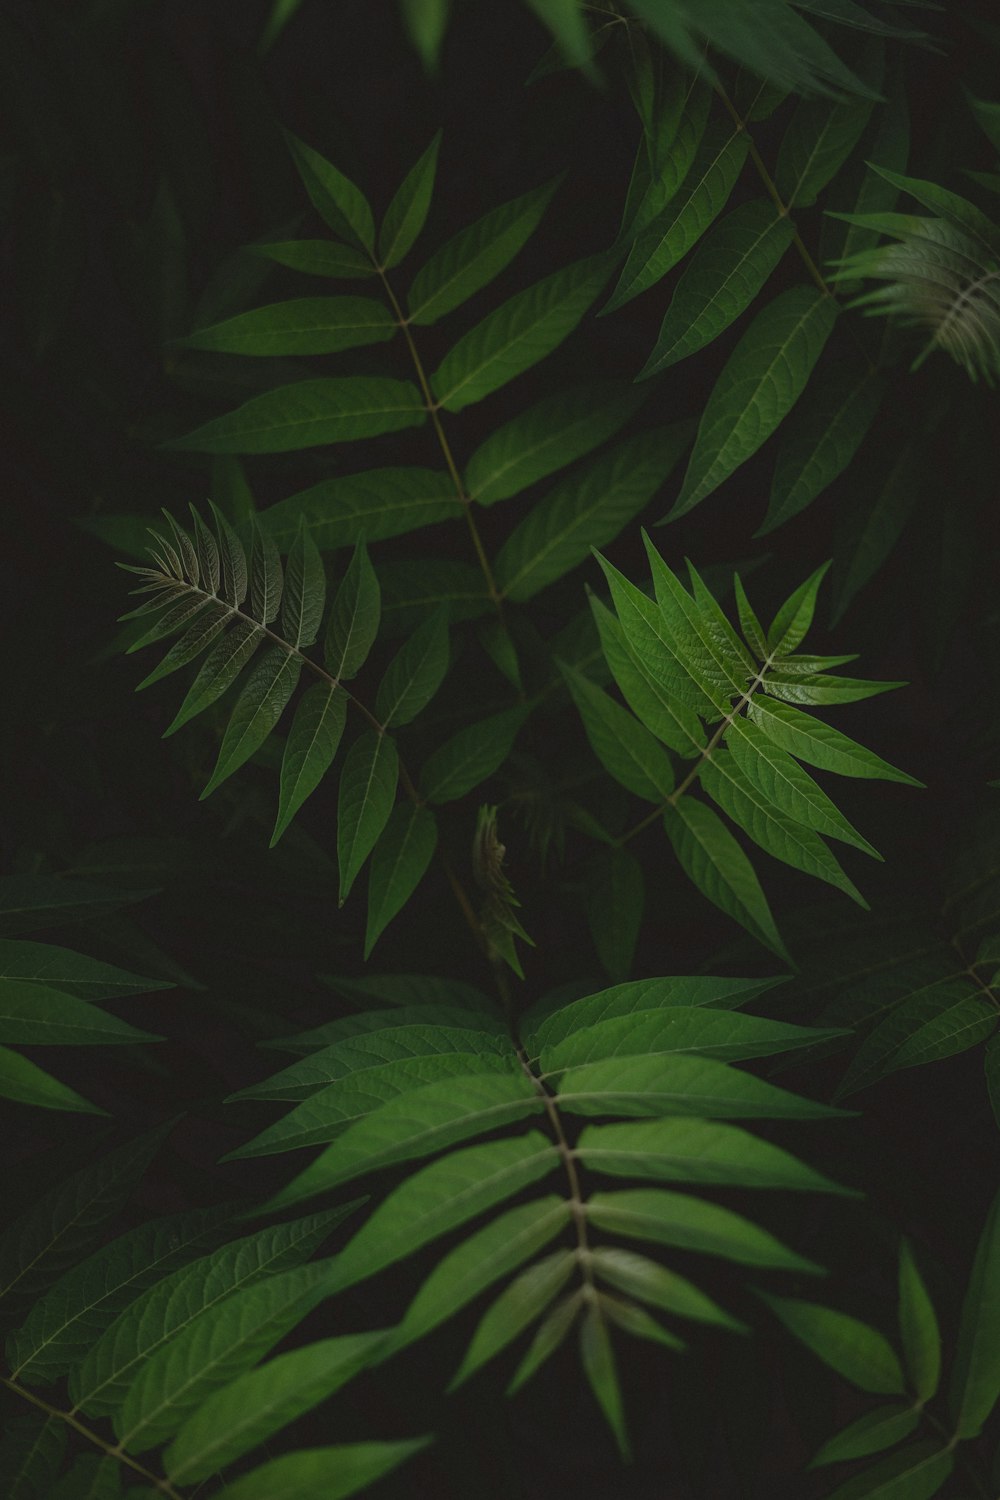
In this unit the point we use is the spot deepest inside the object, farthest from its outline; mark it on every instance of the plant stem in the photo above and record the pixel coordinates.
(163, 1485)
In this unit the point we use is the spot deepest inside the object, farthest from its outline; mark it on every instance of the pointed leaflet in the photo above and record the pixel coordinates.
(73, 973)
(875, 529)
(889, 147)
(425, 22)
(415, 673)
(665, 156)
(323, 1473)
(413, 587)
(704, 195)
(640, 1087)
(91, 1477)
(232, 558)
(546, 437)
(31, 1452)
(753, 631)
(404, 218)
(548, 1338)
(689, 1223)
(317, 257)
(360, 1022)
(196, 639)
(568, 26)
(35, 1015)
(722, 279)
(655, 646)
(598, 1360)
(26, 1083)
(257, 711)
(820, 745)
(945, 1019)
(655, 1285)
(693, 1029)
(821, 437)
(236, 1419)
(208, 554)
(369, 507)
(760, 383)
(310, 748)
(717, 865)
(587, 510)
(354, 618)
(470, 756)
(304, 325)
(809, 687)
(474, 256)
(519, 333)
(28, 902)
(704, 641)
(212, 1350)
(918, 1327)
(491, 1252)
(337, 201)
(622, 745)
(779, 834)
(949, 206)
(517, 1306)
(310, 413)
(218, 671)
(694, 1150)
(304, 592)
(872, 1433)
(51, 1235)
(367, 793)
(820, 137)
(614, 899)
(975, 1375)
(415, 1125)
(398, 863)
(859, 1353)
(176, 1301)
(672, 722)
(443, 1196)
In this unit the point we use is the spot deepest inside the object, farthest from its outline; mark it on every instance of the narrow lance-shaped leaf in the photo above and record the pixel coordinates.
(820, 137)
(25, 1082)
(792, 621)
(622, 745)
(367, 792)
(257, 711)
(310, 748)
(310, 413)
(598, 1360)
(317, 258)
(519, 333)
(872, 1433)
(762, 379)
(304, 591)
(339, 203)
(73, 973)
(517, 1306)
(689, 1223)
(354, 618)
(218, 671)
(232, 558)
(819, 744)
(671, 721)
(858, 1352)
(398, 863)
(369, 507)
(615, 899)
(303, 325)
(323, 1473)
(415, 673)
(404, 218)
(975, 1376)
(470, 756)
(36, 1015)
(918, 1327)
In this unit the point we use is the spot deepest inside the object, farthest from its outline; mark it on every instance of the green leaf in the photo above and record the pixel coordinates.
(473, 257)
(29, 902)
(90, 1478)
(918, 1327)
(323, 1473)
(975, 1375)
(53, 1234)
(354, 618)
(691, 1224)
(213, 1350)
(360, 1022)
(26, 1083)
(877, 529)
(470, 756)
(872, 1433)
(686, 1085)
(491, 1252)
(35, 1015)
(859, 1353)
(820, 137)
(671, 721)
(426, 22)
(317, 257)
(236, 1419)
(310, 413)
(615, 898)
(305, 325)
(786, 785)
(820, 745)
(720, 281)
(624, 747)
(753, 631)
(266, 577)
(305, 591)
(63, 1325)
(257, 711)
(399, 861)
(546, 437)
(310, 748)
(518, 333)
(889, 148)
(415, 1125)
(588, 510)
(822, 436)
(944, 1019)
(404, 218)
(218, 671)
(694, 1029)
(338, 202)
(367, 793)
(791, 624)
(174, 1303)
(667, 153)
(415, 673)
(598, 1360)
(760, 383)
(566, 22)
(516, 1308)
(949, 206)
(31, 1452)
(232, 558)
(655, 645)
(704, 195)
(810, 687)
(655, 1285)
(780, 835)
(413, 587)
(716, 864)
(196, 639)
(73, 973)
(913, 1473)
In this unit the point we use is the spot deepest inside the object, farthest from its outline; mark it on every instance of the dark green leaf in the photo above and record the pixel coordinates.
(860, 1353)
(524, 1300)
(323, 1473)
(404, 218)
(218, 671)
(309, 413)
(598, 1360)
(691, 1224)
(670, 720)
(312, 743)
(615, 899)
(820, 137)
(35, 1015)
(655, 1285)
(640, 1087)
(918, 1327)
(470, 756)
(354, 618)
(73, 973)
(306, 325)
(872, 1433)
(304, 592)
(317, 257)
(337, 201)
(367, 793)
(26, 1083)
(913, 1473)
(623, 746)
(399, 861)
(257, 711)
(975, 1375)
(716, 864)
(415, 673)
(820, 745)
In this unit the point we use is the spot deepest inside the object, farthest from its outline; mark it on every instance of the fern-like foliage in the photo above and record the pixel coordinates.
(651, 1057)
(922, 1446)
(942, 274)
